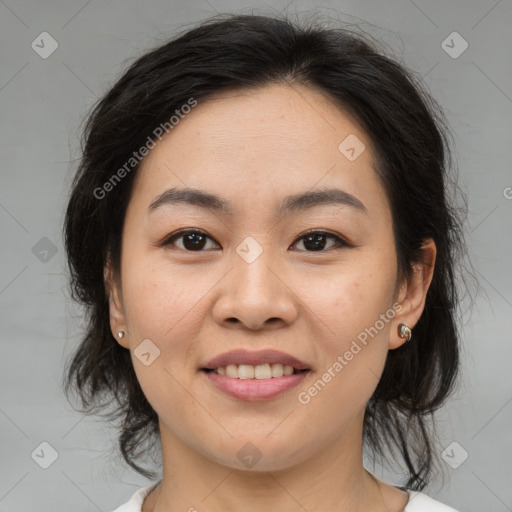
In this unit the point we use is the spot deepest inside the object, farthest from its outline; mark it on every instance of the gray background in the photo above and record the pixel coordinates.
(42, 102)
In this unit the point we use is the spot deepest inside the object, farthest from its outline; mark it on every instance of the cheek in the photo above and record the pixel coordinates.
(163, 304)
(356, 311)
(159, 313)
(353, 301)
(156, 296)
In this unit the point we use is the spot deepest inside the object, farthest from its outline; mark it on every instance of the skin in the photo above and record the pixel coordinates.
(253, 148)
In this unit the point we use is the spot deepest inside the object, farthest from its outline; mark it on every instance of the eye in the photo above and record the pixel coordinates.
(193, 240)
(316, 241)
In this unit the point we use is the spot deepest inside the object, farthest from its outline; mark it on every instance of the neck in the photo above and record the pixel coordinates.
(333, 477)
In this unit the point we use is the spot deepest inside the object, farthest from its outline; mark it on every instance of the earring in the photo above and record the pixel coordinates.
(404, 331)
(120, 334)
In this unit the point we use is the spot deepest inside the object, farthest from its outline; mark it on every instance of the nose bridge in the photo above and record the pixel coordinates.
(253, 263)
(254, 293)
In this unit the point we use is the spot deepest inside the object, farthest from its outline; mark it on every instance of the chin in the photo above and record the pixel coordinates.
(260, 454)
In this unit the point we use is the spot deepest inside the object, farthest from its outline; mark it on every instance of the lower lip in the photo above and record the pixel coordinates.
(254, 390)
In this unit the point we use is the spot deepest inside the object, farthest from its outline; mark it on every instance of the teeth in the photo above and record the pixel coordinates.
(277, 370)
(260, 371)
(263, 371)
(232, 371)
(246, 371)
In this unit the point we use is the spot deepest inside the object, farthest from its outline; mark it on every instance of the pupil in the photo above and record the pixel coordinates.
(190, 241)
(316, 243)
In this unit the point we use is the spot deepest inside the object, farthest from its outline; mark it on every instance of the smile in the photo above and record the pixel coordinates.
(260, 371)
(254, 375)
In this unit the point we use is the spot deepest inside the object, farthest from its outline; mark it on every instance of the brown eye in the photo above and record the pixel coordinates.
(317, 241)
(192, 240)
(197, 241)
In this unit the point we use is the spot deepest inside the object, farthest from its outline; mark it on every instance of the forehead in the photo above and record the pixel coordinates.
(260, 143)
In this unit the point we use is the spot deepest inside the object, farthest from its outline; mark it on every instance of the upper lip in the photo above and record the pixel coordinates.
(243, 356)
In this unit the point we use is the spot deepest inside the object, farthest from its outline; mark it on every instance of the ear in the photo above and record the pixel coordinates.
(412, 294)
(116, 309)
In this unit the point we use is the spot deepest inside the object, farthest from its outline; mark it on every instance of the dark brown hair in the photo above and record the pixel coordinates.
(406, 128)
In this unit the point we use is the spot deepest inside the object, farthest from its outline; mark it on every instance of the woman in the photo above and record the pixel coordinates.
(261, 232)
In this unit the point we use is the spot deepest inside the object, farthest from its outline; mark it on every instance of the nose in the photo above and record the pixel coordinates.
(255, 295)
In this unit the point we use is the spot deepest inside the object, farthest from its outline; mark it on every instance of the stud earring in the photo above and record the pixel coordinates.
(404, 331)
(120, 334)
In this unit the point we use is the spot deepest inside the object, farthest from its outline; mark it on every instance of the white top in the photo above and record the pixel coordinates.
(418, 502)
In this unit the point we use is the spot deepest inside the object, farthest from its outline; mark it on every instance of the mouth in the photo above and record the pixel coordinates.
(255, 376)
(258, 372)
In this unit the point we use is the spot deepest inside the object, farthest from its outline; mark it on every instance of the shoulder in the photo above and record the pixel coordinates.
(134, 504)
(419, 502)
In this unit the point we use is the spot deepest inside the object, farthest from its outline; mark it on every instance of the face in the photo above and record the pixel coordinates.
(309, 284)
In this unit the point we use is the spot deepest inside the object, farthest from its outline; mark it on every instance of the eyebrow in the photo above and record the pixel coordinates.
(291, 203)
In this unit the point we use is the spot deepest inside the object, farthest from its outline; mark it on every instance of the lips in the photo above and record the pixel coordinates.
(255, 375)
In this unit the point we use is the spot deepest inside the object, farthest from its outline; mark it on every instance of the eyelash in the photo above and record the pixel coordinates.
(340, 242)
